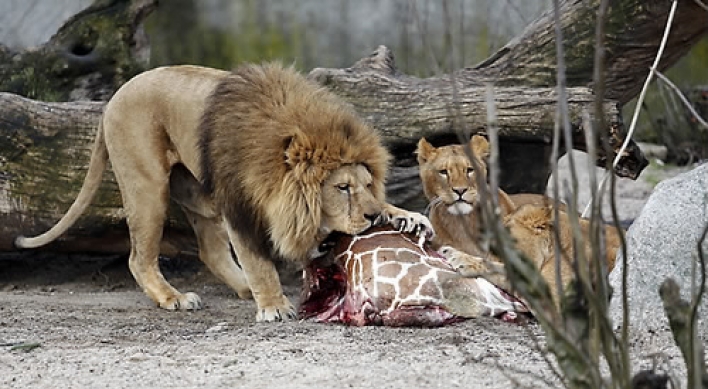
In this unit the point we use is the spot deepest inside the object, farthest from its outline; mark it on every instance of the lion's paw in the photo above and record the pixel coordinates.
(186, 302)
(281, 312)
(414, 223)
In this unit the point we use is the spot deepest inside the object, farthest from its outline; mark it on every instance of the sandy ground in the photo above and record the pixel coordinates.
(75, 322)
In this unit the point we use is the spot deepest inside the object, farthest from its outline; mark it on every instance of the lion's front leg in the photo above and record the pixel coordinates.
(262, 277)
(408, 221)
(472, 266)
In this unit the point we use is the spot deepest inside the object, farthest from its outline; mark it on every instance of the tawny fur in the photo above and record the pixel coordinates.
(534, 227)
(281, 161)
(449, 181)
(270, 139)
(529, 217)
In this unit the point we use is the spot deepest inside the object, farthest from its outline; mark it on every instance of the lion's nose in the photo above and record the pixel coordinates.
(459, 191)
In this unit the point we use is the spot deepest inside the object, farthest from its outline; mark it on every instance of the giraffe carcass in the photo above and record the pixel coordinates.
(384, 277)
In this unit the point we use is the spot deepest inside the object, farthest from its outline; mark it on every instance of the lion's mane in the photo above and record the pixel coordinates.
(270, 138)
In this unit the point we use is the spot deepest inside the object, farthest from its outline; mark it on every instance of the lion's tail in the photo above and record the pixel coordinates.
(92, 181)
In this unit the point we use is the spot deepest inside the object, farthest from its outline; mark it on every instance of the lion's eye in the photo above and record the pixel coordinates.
(443, 172)
(470, 170)
(343, 187)
(370, 185)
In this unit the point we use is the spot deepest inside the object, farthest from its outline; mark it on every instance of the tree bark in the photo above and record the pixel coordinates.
(633, 31)
(44, 146)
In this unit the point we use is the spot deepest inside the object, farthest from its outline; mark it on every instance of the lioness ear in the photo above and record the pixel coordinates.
(425, 151)
(545, 218)
(479, 146)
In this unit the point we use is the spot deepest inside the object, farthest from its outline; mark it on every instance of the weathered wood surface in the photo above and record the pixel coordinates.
(44, 146)
(633, 32)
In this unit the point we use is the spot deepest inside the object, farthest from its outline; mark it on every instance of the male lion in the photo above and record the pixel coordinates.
(450, 185)
(282, 163)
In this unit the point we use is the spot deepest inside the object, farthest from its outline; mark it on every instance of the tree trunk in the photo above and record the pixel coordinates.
(633, 31)
(45, 146)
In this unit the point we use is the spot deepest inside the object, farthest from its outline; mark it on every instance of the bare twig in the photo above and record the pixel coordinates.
(493, 136)
(680, 313)
(683, 98)
(701, 4)
(642, 94)
(423, 33)
(652, 71)
(614, 349)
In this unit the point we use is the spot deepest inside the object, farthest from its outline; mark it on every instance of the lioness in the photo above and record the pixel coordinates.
(534, 229)
(449, 184)
(282, 164)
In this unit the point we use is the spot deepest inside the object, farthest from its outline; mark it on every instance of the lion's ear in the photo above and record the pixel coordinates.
(296, 151)
(479, 146)
(288, 155)
(425, 151)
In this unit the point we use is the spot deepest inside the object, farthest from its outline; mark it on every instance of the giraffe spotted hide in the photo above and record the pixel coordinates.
(385, 277)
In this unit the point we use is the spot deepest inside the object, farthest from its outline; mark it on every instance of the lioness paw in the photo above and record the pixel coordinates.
(465, 264)
(185, 302)
(276, 313)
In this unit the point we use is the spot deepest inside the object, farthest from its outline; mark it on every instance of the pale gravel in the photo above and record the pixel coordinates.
(96, 329)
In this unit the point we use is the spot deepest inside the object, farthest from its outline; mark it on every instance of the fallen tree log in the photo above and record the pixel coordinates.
(44, 146)
(405, 108)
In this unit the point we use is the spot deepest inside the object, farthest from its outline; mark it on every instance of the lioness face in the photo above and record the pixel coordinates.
(348, 203)
(448, 175)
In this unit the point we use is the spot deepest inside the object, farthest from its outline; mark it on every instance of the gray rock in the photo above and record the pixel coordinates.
(661, 243)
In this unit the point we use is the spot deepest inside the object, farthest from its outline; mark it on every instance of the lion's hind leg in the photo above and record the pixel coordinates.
(144, 186)
(145, 224)
(214, 250)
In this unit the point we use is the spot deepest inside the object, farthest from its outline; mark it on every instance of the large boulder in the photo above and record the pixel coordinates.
(661, 243)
